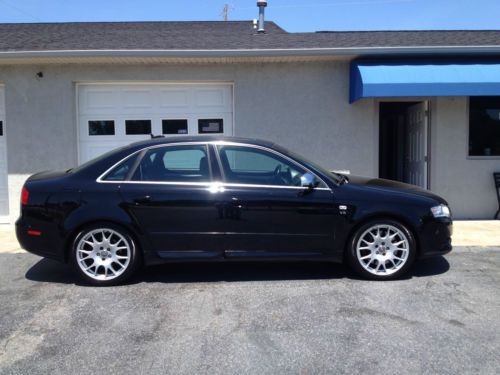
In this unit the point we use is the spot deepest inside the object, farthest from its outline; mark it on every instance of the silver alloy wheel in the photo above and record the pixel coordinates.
(382, 249)
(103, 254)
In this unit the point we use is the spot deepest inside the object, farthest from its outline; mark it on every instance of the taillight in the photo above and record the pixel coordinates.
(25, 194)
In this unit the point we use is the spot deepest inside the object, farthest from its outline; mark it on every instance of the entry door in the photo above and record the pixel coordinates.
(4, 194)
(416, 145)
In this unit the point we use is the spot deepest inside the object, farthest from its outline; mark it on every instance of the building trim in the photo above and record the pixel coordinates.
(254, 52)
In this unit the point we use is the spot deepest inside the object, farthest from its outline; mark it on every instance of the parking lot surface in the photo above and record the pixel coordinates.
(303, 318)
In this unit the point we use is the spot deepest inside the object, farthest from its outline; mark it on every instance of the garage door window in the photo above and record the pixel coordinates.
(174, 126)
(101, 127)
(134, 127)
(174, 164)
(210, 126)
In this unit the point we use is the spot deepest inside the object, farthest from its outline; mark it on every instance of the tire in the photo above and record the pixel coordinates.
(104, 254)
(381, 250)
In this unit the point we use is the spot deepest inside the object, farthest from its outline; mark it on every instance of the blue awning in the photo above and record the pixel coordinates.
(371, 79)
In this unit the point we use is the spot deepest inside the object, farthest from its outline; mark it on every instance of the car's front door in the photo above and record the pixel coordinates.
(266, 211)
(171, 199)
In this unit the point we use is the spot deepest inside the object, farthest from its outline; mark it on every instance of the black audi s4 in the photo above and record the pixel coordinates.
(184, 199)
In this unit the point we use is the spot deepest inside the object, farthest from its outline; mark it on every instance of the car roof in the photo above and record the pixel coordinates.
(200, 138)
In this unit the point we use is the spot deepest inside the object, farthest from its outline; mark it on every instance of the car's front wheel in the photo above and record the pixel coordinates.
(104, 254)
(382, 250)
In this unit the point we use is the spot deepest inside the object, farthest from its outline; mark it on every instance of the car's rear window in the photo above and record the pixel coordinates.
(96, 160)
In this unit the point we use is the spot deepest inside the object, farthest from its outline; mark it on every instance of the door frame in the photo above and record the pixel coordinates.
(430, 114)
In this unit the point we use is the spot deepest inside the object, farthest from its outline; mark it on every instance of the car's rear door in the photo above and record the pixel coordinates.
(267, 212)
(171, 199)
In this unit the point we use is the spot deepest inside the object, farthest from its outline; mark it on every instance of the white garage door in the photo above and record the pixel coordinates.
(113, 115)
(4, 192)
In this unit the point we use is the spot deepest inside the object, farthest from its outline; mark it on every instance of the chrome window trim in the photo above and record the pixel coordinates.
(224, 184)
(210, 184)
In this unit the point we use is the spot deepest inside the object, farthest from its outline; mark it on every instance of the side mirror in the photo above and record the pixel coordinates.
(309, 181)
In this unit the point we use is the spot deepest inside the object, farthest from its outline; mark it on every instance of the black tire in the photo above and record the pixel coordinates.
(121, 234)
(356, 264)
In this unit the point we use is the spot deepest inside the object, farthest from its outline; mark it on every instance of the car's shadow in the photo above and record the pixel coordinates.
(54, 272)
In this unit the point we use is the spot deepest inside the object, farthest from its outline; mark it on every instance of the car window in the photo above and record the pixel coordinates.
(120, 172)
(97, 159)
(248, 165)
(174, 164)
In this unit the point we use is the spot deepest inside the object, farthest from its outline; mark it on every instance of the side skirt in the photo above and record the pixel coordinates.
(236, 255)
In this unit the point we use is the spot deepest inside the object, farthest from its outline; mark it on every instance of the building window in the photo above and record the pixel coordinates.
(174, 126)
(484, 126)
(106, 127)
(134, 127)
(210, 126)
(1, 128)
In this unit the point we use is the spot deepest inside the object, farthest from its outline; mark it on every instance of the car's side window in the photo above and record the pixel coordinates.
(254, 166)
(187, 163)
(120, 172)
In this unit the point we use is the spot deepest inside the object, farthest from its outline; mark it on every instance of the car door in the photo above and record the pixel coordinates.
(268, 212)
(171, 199)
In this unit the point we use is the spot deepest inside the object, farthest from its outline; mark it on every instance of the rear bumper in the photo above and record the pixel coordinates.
(39, 244)
(435, 237)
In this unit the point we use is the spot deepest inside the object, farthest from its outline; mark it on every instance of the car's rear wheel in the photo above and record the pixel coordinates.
(104, 254)
(382, 250)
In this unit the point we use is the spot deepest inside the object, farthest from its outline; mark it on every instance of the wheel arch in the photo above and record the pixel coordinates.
(398, 218)
(75, 231)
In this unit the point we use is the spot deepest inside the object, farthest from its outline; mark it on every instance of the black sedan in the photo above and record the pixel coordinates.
(224, 199)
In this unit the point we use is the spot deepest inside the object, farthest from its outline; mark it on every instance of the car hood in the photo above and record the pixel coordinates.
(391, 186)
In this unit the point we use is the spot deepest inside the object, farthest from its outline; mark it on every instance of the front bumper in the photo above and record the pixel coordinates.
(435, 237)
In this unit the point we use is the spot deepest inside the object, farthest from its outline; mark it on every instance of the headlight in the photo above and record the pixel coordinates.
(441, 211)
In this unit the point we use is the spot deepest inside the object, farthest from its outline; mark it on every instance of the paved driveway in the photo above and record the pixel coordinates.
(253, 318)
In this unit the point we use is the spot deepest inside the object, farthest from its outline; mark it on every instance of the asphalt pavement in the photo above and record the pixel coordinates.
(253, 318)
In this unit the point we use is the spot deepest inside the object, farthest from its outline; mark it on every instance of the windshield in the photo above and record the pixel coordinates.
(95, 160)
(336, 177)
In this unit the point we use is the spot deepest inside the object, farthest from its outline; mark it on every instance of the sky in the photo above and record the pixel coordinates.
(292, 15)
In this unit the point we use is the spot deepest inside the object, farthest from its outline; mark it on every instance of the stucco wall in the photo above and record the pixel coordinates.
(303, 106)
(466, 183)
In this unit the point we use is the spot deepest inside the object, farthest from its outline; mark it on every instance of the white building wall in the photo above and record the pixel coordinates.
(302, 106)
(467, 183)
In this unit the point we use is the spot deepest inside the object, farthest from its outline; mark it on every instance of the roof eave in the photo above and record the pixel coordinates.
(351, 51)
